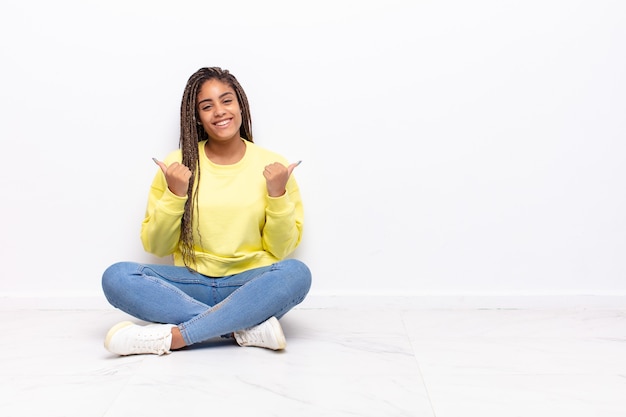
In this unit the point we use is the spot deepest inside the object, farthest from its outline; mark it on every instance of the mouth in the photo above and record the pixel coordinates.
(222, 123)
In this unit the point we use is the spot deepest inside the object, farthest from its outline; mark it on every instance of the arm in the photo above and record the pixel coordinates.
(284, 218)
(160, 229)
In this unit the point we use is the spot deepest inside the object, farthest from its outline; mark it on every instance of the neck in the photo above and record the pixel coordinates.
(225, 153)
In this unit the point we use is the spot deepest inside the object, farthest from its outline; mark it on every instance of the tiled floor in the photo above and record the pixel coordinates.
(339, 362)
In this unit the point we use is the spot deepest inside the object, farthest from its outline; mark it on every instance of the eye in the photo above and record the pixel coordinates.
(206, 107)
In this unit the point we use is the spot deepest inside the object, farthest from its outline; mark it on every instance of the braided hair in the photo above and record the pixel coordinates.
(191, 133)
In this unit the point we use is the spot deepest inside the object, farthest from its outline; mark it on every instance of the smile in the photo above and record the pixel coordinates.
(222, 123)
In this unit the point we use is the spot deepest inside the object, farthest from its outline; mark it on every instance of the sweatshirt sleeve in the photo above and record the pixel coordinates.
(284, 219)
(160, 229)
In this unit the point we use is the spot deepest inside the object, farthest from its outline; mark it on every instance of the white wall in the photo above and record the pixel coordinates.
(449, 147)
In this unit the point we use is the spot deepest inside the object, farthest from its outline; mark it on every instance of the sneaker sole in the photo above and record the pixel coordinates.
(278, 331)
(113, 330)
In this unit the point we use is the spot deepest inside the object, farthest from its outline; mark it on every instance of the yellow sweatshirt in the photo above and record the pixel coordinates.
(238, 226)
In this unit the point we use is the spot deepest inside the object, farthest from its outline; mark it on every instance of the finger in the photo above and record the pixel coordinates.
(293, 166)
(160, 164)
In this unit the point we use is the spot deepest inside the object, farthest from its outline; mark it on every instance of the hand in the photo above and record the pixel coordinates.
(177, 177)
(276, 176)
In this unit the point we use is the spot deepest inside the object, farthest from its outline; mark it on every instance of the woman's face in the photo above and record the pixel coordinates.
(219, 110)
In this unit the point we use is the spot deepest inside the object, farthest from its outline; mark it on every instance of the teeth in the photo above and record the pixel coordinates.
(222, 123)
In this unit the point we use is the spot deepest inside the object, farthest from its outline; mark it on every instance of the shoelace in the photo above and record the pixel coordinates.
(150, 341)
(251, 337)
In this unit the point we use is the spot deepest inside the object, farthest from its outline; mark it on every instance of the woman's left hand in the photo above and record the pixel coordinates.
(276, 176)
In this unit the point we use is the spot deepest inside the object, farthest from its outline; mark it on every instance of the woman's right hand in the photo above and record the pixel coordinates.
(177, 176)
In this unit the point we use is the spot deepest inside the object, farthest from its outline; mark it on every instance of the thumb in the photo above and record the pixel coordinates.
(160, 164)
(293, 166)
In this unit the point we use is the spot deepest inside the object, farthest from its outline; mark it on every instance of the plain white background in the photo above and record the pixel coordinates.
(448, 147)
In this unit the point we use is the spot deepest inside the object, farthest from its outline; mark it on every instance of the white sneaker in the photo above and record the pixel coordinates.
(268, 335)
(126, 338)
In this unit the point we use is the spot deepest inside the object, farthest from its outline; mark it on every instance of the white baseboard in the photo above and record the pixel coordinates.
(430, 302)
(414, 301)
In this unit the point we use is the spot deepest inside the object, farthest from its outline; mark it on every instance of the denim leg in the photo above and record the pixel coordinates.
(205, 307)
(251, 298)
(149, 292)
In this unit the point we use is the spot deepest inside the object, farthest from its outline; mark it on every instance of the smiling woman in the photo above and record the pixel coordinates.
(229, 212)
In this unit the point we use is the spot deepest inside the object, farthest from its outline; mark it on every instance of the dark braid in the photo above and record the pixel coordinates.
(192, 132)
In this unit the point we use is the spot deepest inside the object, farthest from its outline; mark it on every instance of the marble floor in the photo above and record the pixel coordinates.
(339, 361)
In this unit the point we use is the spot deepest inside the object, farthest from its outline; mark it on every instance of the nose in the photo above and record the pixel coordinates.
(218, 110)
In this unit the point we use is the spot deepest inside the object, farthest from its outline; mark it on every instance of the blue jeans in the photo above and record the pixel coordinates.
(205, 307)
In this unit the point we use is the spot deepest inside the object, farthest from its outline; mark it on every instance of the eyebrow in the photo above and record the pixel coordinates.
(208, 99)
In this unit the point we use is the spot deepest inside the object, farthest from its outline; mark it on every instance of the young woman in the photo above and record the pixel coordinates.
(229, 212)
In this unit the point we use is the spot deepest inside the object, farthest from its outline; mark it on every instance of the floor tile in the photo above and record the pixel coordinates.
(340, 360)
